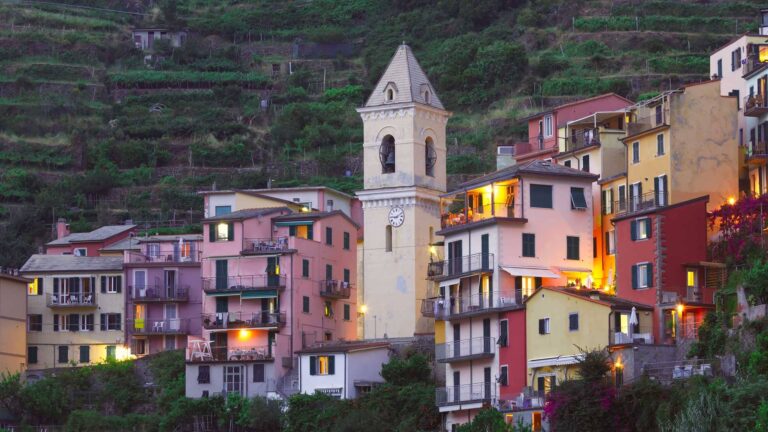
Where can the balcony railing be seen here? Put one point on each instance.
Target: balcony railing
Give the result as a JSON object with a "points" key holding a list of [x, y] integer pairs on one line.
{"points": [[476, 214], [239, 320], [434, 308], [265, 245], [468, 349], [756, 105], [757, 149], [203, 351], [164, 256], [477, 392], [158, 326], [646, 201], [459, 307], [159, 293], [480, 262], [64, 300], [244, 283], [582, 138], [641, 333], [334, 289], [752, 64]]}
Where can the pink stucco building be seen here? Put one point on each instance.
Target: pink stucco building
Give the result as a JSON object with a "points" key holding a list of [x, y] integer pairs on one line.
{"points": [[274, 281], [546, 129], [163, 292]]}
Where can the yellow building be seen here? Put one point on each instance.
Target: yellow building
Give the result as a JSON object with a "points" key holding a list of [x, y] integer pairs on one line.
{"points": [[75, 310], [613, 199], [682, 145], [561, 322], [13, 320]]}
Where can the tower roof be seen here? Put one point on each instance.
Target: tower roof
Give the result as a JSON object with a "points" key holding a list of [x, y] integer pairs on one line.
{"points": [[408, 80]]}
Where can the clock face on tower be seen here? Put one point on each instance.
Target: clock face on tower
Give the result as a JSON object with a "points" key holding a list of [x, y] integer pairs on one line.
{"points": [[396, 216]]}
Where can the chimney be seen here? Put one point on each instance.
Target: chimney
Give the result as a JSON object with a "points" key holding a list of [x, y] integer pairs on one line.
{"points": [[62, 228]]}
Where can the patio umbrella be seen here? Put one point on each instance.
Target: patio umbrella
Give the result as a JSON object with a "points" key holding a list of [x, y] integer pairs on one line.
{"points": [[632, 320]]}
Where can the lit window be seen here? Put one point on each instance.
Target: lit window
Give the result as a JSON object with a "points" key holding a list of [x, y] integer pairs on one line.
{"points": [[34, 287], [328, 309], [186, 250], [322, 365], [529, 284], [640, 229], [222, 231], [691, 278]]}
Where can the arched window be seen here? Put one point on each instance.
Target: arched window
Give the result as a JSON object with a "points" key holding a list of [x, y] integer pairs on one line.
{"points": [[426, 96], [430, 157], [387, 154], [388, 239], [390, 95]]}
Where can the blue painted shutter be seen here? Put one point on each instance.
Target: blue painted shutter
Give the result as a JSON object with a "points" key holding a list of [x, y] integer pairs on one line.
{"points": [[649, 274], [331, 365], [313, 365], [633, 230]]}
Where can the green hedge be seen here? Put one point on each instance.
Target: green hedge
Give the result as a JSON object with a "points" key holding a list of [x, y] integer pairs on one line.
{"points": [[583, 86], [662, 23], [185, 78]]}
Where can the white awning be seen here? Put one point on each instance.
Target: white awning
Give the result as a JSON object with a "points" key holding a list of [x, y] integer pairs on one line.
{"points": [[553, 361], [449, 282], [530, 272]]}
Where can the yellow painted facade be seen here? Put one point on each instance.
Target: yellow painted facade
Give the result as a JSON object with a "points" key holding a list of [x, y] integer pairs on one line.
{"points": [[13, 324], [561, 345], [612, 188], [701, 153]]}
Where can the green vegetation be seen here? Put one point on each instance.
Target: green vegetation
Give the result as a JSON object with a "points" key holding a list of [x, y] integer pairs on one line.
{"points": [[100, 125]]}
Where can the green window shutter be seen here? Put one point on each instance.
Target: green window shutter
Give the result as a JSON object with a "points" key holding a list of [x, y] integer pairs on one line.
{"points": [[541, 196], [230, 231], [537, 281], [32, 355], [332, 365], [607, 243], [305, 268], [211, 233], [633, 230], [329, 236], [634, 277], [313, 365], [647, 223], [292, 231], [346, 275], [346, 240], [305, 304], [55, 287], [102, 321], [649, 274], [85, 354], [346, 312], [40, 286], [310, 232], [222, 304], [328, 272], [56, 322], [221, 274], [119, 283]]}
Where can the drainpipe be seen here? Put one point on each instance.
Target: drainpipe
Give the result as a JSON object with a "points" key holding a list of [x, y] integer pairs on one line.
{"points": [[522, 198], [292, 312]]}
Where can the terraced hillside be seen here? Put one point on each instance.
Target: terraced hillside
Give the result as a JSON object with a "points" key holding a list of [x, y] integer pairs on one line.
{"points": [[96, 130]]}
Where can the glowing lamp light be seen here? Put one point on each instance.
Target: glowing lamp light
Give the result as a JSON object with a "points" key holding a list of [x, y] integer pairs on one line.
{"points": [[432, 250], [123, 353], [680, 309], [363, 309], [731, 200], [618, 363], [305, 209], [243, 334]]}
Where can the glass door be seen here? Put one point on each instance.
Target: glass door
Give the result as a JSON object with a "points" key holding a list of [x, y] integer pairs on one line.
{"points": [[171, 314], [170, 283]]}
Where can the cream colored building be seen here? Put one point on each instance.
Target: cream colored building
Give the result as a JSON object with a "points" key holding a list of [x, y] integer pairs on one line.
{"points": [[404, 155], [75, 310], [13, 318]]}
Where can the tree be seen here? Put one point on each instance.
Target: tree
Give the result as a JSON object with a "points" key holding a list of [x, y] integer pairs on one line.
{"points": [[414, 369]]}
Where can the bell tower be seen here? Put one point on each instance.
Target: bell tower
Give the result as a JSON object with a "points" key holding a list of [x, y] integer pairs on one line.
{"points": [[404, 154]]}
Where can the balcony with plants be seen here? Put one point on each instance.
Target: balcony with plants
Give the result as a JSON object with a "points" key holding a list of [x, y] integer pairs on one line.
{"points": [[494, 200]]}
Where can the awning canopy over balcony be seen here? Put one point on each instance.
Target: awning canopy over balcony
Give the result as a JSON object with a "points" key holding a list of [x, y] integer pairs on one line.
{"points": [[553, 361], [530, 272], [259, 294], [293, 223]]}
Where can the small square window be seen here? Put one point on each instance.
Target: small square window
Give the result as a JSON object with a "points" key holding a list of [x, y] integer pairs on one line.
{"points": [[35, 322], [544, 326], [573, 322]]}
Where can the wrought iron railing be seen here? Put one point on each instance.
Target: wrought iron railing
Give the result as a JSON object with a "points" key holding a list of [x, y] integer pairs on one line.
{"points": [[159, 293], [459, 266], [468, 348], [164, 255], [477, 392], [87, 299], [240, 283], [170, 326], [265, 245], [238, 320], [335, 289]]}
